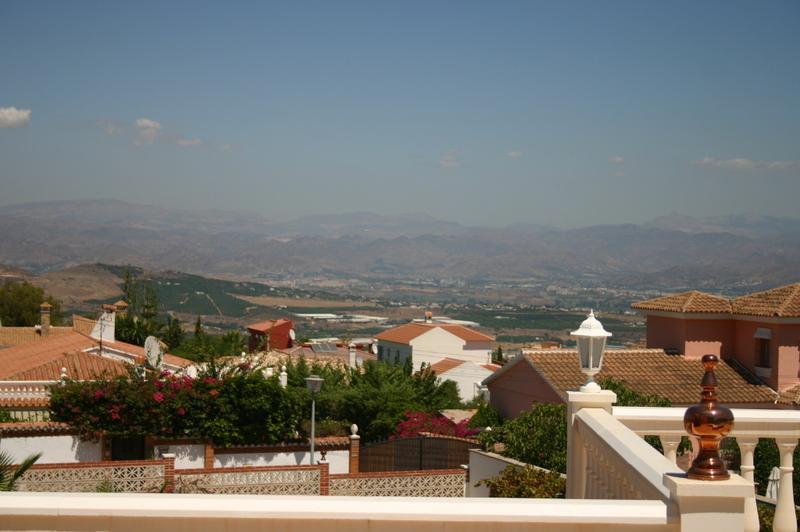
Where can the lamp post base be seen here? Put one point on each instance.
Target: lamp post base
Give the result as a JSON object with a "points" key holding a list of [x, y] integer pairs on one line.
{"points": [[590, 387]]}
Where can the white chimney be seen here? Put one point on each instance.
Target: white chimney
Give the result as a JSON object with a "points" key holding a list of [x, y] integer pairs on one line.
{"points": [[284, 377], [352, 353]]}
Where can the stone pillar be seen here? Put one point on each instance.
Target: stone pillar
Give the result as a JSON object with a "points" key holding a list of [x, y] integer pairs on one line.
{"points": [[704, 505], [169, 472], [208, 455], [324, 478], [45, 309], [576, 453], [284, 377], [747, 447], [355, 444], [785, 520]]}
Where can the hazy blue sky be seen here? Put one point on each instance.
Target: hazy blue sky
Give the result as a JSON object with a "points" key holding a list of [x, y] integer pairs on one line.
{"points": [[569, 113]]}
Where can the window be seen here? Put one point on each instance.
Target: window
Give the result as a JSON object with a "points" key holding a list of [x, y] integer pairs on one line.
{"points": [[762, 352]]}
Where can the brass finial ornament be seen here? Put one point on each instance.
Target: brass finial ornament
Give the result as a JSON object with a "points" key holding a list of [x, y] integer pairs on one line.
{"points": [[709, 421]]}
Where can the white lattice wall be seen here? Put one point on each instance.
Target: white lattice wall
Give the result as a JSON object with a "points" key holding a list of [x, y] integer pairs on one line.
{"points": [[439, 485], [276, 482], [125, 479]]}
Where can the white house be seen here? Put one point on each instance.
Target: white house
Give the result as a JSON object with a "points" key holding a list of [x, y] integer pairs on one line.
{"points": [[428, 343], [467, 375]]}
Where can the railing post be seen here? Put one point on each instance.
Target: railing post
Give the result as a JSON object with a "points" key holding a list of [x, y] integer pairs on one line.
{"points": [[324, 478], [355, 441], [746, 450], [670, 445], [169, 472], [576, 452], [785, 517], [703, 505]]}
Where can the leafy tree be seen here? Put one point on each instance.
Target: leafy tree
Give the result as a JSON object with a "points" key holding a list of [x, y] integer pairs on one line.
{"points": [[10, 474], [538, 436], [497, 355], [20, 305], [173, 335], [527, 482], [486, 416]]}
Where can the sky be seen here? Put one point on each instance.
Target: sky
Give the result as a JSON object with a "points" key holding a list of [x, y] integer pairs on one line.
{"points": [[485, 113]]}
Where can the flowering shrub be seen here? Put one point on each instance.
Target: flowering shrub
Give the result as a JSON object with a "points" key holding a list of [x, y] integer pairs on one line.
{"points": [[417, 422], [243, 407]]}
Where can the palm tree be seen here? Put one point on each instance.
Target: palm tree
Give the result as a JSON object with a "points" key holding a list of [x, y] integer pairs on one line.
{"points": [[9, 473]]}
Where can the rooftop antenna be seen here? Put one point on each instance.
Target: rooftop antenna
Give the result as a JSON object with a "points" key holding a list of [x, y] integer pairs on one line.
{"points": [[153, 352]]}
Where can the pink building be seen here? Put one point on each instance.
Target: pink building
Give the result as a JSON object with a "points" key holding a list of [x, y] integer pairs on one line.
{"points": [[760, 331]]}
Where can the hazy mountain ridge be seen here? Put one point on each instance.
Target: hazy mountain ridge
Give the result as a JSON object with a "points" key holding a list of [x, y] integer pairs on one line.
{"points": [[47, 236]]}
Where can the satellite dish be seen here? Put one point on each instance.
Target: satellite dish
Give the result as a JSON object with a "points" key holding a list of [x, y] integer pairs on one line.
{"points": [[152, 352], [292, 335], [374, 349]]}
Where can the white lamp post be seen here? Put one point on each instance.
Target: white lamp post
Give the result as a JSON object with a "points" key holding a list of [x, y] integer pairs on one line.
{"points": [[591, 339], [314, 385]]}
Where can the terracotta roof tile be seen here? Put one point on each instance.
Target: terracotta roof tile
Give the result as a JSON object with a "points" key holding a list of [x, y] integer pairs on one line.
{"points": [[20, 358], [405, 333], [80, 366], [652, 372], [692, 301], [20, 428], [46, 354], [781, 302], [445, 365], [24, 402]]}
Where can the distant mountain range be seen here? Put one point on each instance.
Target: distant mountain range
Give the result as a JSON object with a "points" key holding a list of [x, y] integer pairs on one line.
{"points": [[665, 253]]}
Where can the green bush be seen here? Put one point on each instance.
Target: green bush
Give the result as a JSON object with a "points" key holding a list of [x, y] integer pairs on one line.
{"points": [[526, 483], [537, 437]]}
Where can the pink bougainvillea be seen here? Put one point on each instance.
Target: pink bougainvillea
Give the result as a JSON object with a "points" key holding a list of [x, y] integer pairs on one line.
{"points": [[417, 422]]}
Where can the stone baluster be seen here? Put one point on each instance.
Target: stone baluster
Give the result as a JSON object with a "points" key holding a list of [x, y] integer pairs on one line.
{"points": [[670, 444], [746, 449], [785, 519]]}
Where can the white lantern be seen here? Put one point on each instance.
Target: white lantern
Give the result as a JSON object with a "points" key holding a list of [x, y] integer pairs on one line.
{"points": [[591, 339]]}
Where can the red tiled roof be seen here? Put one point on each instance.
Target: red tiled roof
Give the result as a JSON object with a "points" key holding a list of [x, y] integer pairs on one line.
{"points": [[34, 360], [80, 366], [692, 301], [781, 302], [24, 402], [264, 326], [646, 371], [445, 365], [39, 428], [20, 358], [405, 333]]}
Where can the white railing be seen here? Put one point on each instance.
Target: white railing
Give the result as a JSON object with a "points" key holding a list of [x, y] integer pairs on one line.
{"points": [[749, 425], [608, 460], [26, 389], [94, 511]]}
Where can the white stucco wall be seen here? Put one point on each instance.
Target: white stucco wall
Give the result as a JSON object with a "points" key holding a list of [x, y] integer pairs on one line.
{"points": [[393, 352], [483, 465], [339, 460], [437, 344], [465, 376], [54, 449], [187, 456]]}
